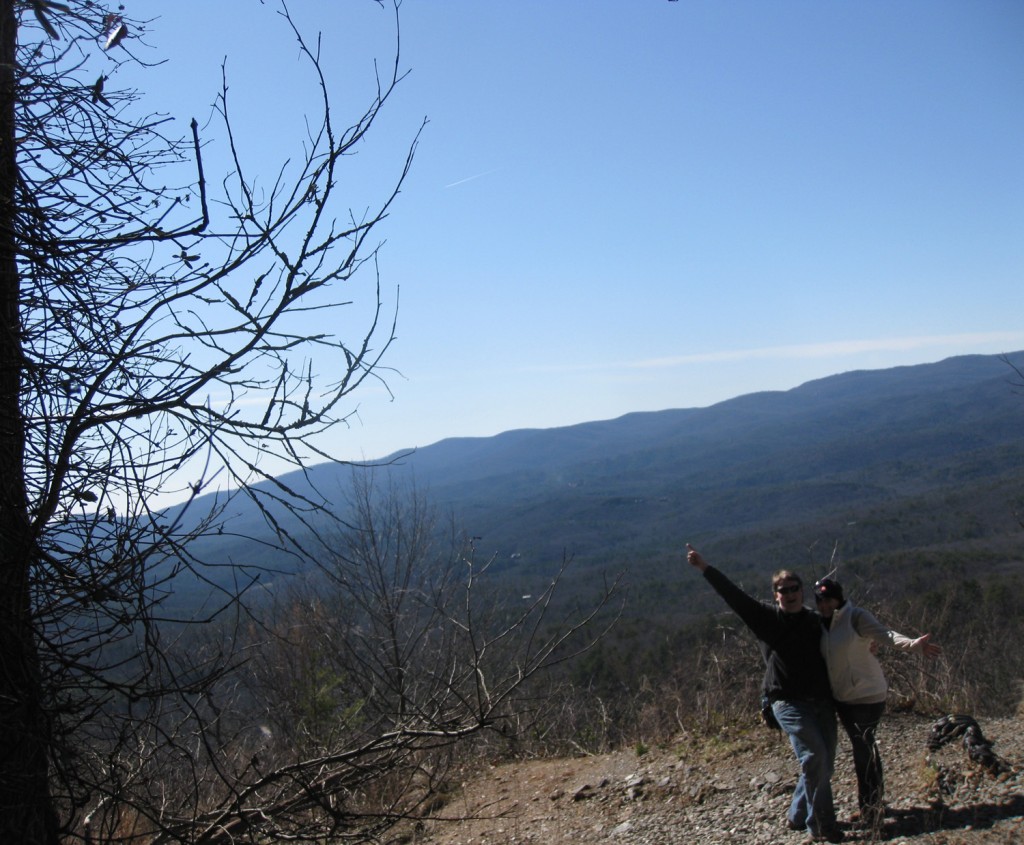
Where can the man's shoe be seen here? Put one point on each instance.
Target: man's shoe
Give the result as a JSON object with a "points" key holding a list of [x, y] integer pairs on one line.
{"points": [[792, 825], [828, 834]]}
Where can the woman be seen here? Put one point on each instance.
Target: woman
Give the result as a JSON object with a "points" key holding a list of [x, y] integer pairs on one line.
{"points": [[796, 683], [858, 684]]}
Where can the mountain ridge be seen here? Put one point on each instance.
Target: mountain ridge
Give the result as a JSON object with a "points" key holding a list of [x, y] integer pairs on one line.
{"points": [[765, 473]]}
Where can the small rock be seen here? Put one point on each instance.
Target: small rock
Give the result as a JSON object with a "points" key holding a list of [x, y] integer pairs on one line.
{"points": [[583, 792]]}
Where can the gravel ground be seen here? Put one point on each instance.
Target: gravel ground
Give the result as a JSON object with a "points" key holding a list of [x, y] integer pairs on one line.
{"points": [[735, 788]]}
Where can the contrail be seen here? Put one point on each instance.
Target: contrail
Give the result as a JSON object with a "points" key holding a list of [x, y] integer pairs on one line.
{"points": [[471, 178]]}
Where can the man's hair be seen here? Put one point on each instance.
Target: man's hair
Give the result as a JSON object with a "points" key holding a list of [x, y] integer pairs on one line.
{"points": [[781, 575]]}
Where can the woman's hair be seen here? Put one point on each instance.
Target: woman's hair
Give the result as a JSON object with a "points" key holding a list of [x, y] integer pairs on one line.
{"points": [[781, 575]]}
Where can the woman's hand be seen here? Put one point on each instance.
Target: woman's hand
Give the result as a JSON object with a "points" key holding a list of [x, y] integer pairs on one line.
{"points": [[928, 649]]}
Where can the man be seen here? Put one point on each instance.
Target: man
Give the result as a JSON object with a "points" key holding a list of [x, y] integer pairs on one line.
{"points": [[796, 684]]}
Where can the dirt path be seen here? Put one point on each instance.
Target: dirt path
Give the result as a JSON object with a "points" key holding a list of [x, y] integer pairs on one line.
{"points": [[735, 789]]}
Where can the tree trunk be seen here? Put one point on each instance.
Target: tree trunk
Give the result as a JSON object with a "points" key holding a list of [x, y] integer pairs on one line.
{"points": [[27, 814]]}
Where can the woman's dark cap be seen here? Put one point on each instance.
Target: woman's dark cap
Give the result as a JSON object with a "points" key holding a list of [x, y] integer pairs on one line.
{"points": [[826, 588]]}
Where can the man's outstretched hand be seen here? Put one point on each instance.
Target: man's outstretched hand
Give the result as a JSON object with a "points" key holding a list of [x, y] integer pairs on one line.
{"points": [[693, 557]]}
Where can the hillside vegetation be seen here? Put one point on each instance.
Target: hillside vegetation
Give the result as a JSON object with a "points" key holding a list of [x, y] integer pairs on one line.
{"points": [[907, 481]]}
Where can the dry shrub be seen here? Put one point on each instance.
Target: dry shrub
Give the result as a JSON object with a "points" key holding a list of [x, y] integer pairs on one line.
{"points": [[981, 630]]}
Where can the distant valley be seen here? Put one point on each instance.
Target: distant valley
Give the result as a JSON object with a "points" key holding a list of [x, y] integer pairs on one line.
{"points": [[915, 471]]}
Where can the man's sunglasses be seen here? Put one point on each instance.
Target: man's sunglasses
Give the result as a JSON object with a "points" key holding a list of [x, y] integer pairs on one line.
{"points": [[785, 591]]}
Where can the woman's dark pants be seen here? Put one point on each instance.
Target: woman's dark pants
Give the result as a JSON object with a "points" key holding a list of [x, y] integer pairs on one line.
{"points": [[860, 721]]}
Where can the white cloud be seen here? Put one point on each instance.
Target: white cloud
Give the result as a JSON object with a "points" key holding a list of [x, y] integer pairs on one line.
{"points": [[838, 349]]}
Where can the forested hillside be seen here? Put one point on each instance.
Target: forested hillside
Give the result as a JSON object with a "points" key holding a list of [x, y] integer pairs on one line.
{"points": [[914, 472]]}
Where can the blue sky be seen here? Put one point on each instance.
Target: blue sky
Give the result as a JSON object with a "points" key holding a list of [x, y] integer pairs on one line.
{"points": [[637, 205]]}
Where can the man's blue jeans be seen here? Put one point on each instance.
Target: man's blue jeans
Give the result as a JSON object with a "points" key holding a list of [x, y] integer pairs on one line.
{"points": [[811, 726]]}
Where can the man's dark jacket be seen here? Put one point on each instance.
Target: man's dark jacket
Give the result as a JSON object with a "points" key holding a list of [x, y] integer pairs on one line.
{"points": [[790, 643]]}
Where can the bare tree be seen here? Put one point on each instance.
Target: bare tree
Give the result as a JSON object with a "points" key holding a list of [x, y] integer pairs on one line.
{"points": [[153, 331], [364, 680], [399, 650]]}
